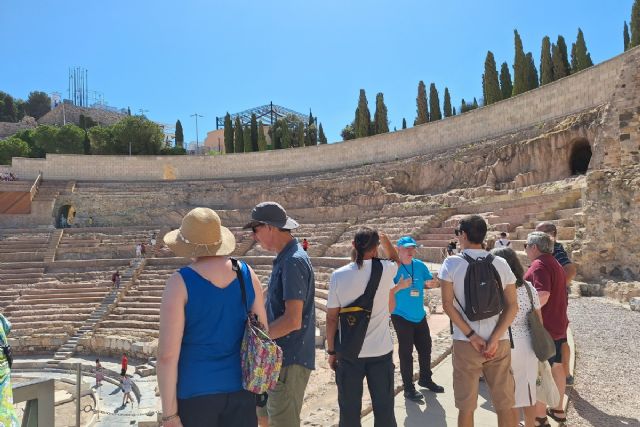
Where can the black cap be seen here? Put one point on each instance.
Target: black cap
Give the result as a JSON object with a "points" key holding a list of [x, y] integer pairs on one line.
{"points": [[271, 213]]}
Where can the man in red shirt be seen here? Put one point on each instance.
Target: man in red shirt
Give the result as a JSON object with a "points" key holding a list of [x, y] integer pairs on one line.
{"points": [[548, 277], [125, 361]]}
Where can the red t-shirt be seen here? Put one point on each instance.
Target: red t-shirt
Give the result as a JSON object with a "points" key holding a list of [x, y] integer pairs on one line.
{"points": [[124, 362], [547, 274]]}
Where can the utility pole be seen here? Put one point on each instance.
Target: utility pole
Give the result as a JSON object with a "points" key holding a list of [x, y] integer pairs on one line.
{"points": [[196, 115], [142, 111]]}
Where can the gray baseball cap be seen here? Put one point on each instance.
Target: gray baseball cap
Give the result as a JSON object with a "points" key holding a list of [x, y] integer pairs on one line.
{"points": [[271, 213]]}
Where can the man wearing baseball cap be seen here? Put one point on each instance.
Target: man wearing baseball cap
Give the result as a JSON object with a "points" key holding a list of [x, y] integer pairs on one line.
{"points": [[290, 311], [409, 319]]}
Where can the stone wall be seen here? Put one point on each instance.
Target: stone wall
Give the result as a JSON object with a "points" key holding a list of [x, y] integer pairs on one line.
{"points": [[7, 129], [582, 91]]}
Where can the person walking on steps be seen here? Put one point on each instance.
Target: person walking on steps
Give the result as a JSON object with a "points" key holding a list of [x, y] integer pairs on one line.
{"points": [[410, 320]]}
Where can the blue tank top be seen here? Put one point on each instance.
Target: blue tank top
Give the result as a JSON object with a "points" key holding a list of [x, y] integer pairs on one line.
{"points": [[214, 325]]}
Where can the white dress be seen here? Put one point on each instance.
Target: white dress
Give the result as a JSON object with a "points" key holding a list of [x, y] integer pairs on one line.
{"points": [[524, 362]]}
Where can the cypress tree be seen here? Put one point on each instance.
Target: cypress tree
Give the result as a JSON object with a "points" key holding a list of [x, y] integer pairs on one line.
{"points": [[574, 59], [546, 63], [520, 67], [475, 103], [321, 136], [285, 134], [564, 57], [254, 133], [532, 72], [582, 56], [559, 70], [454, 111], [300, 142], [179, 135], [447, 103], [635, 25], [311, 137], [404, 123], [625, 36], [276, 140], [380, 122], [248, 146], [262, 139], [228, 134], [363, 116], [505, 81], [491, 86], [421, 101], [238, 143], [434, 103], [463, 107]]}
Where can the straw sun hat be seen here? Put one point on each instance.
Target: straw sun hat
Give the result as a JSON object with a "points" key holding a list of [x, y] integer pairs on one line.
{"points": [[200, 234]]}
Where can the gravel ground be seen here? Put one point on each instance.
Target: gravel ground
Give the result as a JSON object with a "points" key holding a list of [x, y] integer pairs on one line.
{"points": [[607, 369]]}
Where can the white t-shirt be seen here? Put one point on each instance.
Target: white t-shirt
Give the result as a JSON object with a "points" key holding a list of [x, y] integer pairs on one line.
{"points": [[453, 270], [520, 325], [503, 243], [348, 283]]}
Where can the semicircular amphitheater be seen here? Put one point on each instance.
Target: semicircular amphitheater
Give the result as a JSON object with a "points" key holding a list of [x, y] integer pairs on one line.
{"points": [[567, 153]]}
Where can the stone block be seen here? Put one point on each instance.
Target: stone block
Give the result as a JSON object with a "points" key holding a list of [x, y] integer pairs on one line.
{"points": [[634, 303]]}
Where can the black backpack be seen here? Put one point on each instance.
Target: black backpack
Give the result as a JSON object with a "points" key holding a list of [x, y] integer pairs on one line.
{"points": [[483, 293]]}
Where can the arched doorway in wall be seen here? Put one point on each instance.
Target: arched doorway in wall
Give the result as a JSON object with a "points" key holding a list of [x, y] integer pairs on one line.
{"points": [[580, 156], [66, 216]]}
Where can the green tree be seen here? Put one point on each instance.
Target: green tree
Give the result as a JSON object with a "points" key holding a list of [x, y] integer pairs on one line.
{"points": [[564, 58], [311, 137], [559, 69], [574, 59], [363, 117], [262, 139], [238, 140], [404, 123], [520, 67], [380, 121], [421, 103], [635, 24], [532, 72], [286, 136], [447, 103], [228, 134], [348, 132], [321, 136], [434, 103], [45, 138], [625, 36], [101, 138], [128, 111], [582, 56], [8, 111], [274, 132], [505, 81], [12, 147], [145, 136], [546, 62], [490, 79], [179, 135], [454, 111], [86, 123], [69, 140], [475, 102], [38, 104], [299, 140], [20, 113], [254, 132], [246, 136]]}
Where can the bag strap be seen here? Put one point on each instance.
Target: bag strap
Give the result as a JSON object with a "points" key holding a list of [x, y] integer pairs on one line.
{"points": [[236, 266], [526, 286], [365, 301]]}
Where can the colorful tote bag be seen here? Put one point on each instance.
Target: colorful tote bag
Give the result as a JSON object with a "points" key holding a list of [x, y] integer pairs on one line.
{"points": [[261, 357]]}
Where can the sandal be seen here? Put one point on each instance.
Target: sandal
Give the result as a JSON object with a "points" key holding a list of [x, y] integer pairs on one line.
{"points": [[552, 412], [542, 422]]}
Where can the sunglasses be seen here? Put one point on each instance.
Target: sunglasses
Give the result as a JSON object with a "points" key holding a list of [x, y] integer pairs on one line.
{"points": [[458, 231], [254, 228], [527, 245]]}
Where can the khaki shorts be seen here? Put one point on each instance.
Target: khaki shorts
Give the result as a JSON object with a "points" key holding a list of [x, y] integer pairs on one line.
{"points": [[468, 364], [285, 400]]}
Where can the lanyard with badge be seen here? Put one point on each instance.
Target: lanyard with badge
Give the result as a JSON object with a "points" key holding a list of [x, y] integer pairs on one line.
{"points": [[413, 292]]}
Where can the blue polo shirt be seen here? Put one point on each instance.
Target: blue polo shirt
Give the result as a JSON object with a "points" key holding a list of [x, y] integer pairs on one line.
{"points": [[292, 278], [407, 306]]}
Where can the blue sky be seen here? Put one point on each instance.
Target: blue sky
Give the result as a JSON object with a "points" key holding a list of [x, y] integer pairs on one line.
{"points": [[175, 58]]}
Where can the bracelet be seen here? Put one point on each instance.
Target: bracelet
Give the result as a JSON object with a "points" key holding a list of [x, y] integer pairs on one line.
{"points": [[331, 352], [170, 417], [470, 334]]}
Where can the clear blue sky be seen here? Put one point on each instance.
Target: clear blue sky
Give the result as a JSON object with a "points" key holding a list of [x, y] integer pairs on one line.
{"points": [[175, 58]]}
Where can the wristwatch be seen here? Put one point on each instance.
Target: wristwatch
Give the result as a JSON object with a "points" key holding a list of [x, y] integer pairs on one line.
{"points": [[470, 334]]}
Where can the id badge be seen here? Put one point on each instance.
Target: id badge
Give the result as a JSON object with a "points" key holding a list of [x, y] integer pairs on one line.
{"points": [[415, 293]]}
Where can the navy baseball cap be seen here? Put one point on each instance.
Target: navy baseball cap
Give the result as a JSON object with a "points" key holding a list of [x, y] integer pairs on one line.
{"points": [[271, 213]]}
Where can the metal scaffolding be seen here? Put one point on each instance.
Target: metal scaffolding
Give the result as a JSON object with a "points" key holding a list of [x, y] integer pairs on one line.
{"points": [[268, 114]]}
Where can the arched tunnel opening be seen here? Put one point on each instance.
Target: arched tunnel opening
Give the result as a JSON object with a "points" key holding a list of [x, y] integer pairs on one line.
{"points": [[580, 157]]}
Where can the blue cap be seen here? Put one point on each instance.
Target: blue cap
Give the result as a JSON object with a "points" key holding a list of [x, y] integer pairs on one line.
{"points": [[407, 242]]}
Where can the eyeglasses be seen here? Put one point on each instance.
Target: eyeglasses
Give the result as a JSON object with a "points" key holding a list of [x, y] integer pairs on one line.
{"points": [[528, 245], [254, 228]]}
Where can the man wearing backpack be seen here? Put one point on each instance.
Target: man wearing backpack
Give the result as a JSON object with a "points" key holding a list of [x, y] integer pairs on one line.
{"points": [[479, 296]]}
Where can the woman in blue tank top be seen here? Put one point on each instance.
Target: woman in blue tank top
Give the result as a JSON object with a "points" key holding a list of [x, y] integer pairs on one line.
{"points": [[202, 321]]}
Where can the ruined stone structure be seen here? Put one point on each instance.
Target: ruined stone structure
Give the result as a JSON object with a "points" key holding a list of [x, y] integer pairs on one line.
{"points": [[567, 152]]}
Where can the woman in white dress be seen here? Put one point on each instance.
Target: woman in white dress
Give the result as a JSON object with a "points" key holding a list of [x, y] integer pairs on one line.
{"points": [[524, 362]]}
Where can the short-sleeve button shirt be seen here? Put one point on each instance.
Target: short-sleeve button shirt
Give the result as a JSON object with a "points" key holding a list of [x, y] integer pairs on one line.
{"points": [[292, 278]]}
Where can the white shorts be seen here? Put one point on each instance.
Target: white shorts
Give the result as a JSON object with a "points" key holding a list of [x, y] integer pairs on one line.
{"points": [[524, 365]]}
